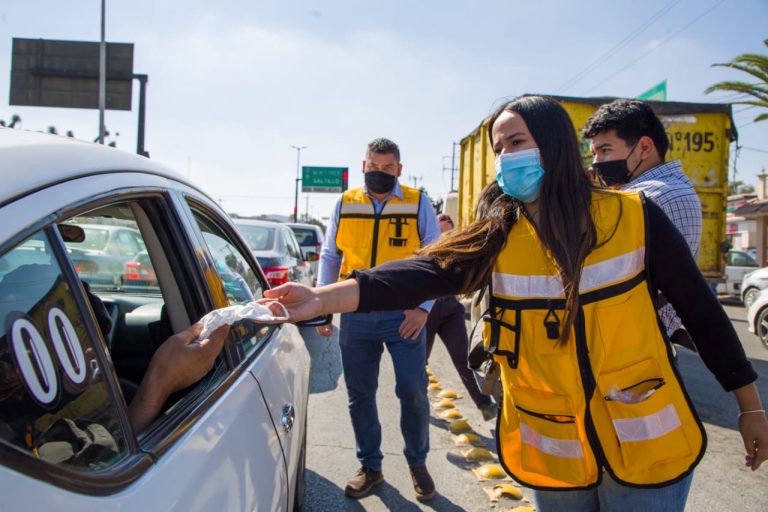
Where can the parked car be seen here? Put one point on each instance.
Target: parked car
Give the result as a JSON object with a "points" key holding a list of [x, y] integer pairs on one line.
{"points": [[233, 441], [757, 317], [751, 285], [737, 265], [277, 250], [310, 238], [138, 272], [103, 252]]}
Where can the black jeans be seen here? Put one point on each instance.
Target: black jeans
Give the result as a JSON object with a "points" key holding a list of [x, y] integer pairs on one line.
{"points": [[447, 320]]}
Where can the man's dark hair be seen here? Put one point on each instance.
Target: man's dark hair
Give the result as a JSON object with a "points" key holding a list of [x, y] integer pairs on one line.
{"points": [[384, 146], [631, 119]]}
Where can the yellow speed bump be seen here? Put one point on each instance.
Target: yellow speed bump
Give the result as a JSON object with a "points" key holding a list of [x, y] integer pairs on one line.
{"points": [[478, 455], [434, 387], [447, 393], [499, 491], [429, 372], [432, 379], [451, 414], [467, 439], [459, 426], [523, 508], [489, 472], [445, 404]]}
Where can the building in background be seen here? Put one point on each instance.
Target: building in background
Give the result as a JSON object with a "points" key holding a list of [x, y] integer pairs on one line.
{"points": [[754, 211]]}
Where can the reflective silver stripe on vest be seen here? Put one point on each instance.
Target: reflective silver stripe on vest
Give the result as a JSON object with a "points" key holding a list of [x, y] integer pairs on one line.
{"points": [[389, 209], [400, 209], [567, 448], [648, 427], [597, 275], [356, 208]]}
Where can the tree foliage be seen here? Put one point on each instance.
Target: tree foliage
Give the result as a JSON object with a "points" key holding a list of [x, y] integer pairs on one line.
{"points": [[739, 187], [755, 65]]}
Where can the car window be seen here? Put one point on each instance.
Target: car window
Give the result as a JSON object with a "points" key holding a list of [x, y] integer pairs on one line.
{"points": [[305, 236], [54, 402], [258, 238], [291, 245], [742, 259], [240, 280], [107, 256]]}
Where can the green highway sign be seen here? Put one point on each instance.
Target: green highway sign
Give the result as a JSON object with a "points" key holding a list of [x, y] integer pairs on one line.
{"points": [[324, 179]]}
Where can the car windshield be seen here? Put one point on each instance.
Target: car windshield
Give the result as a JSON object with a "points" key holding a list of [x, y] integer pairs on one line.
{"points": [[305, 236], [258, 238]]}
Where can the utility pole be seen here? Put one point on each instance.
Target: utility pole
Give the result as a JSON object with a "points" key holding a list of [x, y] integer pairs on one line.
{"points": [[453, 165], [102, 74], [298, 179], [415, 179], [452, 168]]}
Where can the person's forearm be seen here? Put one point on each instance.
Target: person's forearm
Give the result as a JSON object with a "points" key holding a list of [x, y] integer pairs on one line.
{"points": [[341, 297], [147, 403], [748, 398]]}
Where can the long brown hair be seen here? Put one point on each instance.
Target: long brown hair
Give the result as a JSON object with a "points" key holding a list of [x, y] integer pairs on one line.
{"points": [[474, 248], [565, 226]]}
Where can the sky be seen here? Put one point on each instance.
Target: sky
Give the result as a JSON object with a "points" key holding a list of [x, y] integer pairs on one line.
{"points": [[234, 84]]}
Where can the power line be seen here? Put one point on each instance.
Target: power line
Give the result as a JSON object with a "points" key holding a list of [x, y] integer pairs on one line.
{"points": [[656, 47], [745, 124], [621, 44], [732, 97], [755, 149]]}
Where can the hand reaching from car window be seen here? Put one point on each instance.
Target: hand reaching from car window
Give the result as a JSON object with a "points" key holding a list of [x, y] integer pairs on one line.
{"points": [[180, 361]]}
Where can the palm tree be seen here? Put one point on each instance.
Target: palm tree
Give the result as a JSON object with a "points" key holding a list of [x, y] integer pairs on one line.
{"points": [[757, 66]]}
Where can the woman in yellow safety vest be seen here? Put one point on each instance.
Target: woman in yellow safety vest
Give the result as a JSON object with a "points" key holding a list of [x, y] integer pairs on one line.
{"points": [[594, 413]]}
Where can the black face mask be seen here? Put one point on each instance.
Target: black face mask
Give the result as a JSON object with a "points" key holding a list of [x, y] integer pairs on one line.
{"points": [[615, 172], [612, 173], [379, 182]]}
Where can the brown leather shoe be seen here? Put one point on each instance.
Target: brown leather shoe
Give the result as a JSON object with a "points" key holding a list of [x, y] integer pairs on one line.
{"points": [[362, 483], [422, 483]]}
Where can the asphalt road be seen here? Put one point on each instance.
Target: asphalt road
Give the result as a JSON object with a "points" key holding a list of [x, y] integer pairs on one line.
{"points": [[721, 481]]}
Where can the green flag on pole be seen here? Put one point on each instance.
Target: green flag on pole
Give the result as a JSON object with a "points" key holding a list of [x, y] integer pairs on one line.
{"points": [[656, 93]]}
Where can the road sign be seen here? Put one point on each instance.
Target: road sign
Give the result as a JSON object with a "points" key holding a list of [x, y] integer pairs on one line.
{"points": [[49, 73], [324, 179]]}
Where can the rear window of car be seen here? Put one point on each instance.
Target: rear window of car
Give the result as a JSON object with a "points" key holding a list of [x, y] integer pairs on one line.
{"points": [[258, 238], [305, 236]]}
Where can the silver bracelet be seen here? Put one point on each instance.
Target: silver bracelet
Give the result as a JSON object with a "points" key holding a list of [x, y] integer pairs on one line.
{"points": [[748, 412]]}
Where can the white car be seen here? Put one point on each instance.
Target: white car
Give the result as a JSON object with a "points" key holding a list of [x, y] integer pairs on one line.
{"points": [[751, 285], [233, 441], [737, 265], [757, 317], [311, 238]]}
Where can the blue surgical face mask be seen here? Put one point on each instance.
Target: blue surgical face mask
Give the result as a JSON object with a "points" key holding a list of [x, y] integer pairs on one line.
{"points": [[519, 174]]}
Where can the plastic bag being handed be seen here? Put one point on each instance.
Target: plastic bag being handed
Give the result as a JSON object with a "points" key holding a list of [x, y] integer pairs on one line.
{"points": [[227, 316]]}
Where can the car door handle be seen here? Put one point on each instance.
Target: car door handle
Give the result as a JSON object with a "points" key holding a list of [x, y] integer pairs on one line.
{"points": [[289, 414]]}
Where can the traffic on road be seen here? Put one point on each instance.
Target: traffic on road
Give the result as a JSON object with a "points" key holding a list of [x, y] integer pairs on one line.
{"points": [[107, 262]]}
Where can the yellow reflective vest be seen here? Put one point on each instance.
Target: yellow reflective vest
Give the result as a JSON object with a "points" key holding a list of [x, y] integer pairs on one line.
{"points": [[610, 398], [367, 239]]}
